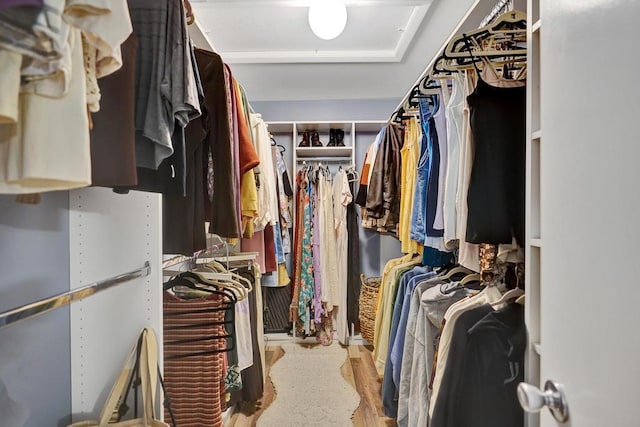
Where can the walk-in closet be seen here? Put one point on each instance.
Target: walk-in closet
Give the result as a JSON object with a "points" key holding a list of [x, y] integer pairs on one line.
{"points": [[230, 213]]}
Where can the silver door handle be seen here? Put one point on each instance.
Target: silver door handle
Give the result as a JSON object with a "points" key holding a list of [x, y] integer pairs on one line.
{"points": [[553, 397]]}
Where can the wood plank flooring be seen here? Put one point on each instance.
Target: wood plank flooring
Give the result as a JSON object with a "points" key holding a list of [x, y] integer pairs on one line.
{"points": [[249, 414], [359, 370]]}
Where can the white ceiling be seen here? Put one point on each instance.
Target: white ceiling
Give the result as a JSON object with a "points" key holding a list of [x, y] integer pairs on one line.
{"points": [[273, 53]]}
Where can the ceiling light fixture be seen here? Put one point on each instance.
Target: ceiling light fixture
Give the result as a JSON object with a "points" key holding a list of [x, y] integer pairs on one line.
{"points": [[328, 18]]}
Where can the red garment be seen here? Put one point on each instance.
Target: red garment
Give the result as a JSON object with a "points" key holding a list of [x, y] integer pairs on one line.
{"points": [[248, 155], [270, 261], [256, 244]]}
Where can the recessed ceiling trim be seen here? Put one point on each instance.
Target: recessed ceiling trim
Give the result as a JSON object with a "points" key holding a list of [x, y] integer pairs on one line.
{"points": [[283, 57], [413, 24], [306, 3], [330, 56]]}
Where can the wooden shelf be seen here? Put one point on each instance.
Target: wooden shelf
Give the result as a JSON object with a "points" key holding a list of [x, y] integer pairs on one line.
{"points": [[536, 26], [535, 242], [323, 127], [308, 152], [280, 127]]}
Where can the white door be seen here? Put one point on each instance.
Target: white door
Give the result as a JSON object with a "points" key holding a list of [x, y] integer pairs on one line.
{"points": [[584, 227]]}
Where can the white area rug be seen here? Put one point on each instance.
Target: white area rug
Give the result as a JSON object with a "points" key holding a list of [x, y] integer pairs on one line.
{"points": [[310, 389]]}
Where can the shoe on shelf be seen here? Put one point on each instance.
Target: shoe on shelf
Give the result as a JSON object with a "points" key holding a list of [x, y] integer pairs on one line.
{"points": [[339, 138], [315, 139], [332, 138], [305, 140]]}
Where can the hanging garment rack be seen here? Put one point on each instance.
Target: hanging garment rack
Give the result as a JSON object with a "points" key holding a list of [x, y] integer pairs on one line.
{"points": [[48, 304], [179, 259], [399, 113], [319, 160], [501, 7]]}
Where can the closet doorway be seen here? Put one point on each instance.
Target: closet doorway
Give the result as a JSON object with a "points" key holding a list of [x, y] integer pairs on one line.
{"points": [[583, 211]]}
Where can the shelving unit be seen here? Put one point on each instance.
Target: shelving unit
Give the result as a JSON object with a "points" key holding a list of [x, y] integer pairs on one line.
{"points": [[290, 134], [324, 152]]}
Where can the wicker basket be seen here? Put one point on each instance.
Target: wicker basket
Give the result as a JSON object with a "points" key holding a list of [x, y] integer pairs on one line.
{"points": [[368, 304]]}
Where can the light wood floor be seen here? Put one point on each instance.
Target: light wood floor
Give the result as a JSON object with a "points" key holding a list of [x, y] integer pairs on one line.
{"points": [[359, 370]]}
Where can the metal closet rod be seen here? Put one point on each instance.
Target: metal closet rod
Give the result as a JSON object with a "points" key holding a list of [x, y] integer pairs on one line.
{"points": [[48, 304]]}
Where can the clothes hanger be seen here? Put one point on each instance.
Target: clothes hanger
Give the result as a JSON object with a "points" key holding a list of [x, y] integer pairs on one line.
{"points": [[228, 282], [196, 282], [470, 278], [456, 270], [510, 295], [234, 283], [512, 23]]}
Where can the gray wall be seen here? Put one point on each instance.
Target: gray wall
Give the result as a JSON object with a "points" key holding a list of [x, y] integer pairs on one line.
{"points": [[35, 371], [337, 110], [375, 250]]}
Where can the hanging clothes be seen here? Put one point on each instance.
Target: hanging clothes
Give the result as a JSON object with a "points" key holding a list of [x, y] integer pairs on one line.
{"points": [[455, 117], [481, 389], [386, 298], [341, 199], [320, 243], [194, 343], [496, 188], [383, 196], [353, 266], [113, 156], [410, 154], [468, 252], [52, 155], [253, 375], [222, 215]]}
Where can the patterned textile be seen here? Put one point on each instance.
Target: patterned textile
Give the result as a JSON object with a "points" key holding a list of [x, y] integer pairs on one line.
{"points": [[194, 381], [306, 278], [488, 262], [283, 200], [297, 251]]}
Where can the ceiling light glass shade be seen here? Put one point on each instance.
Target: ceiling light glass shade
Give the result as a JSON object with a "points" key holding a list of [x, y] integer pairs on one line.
{"points": [[328, 18]]}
